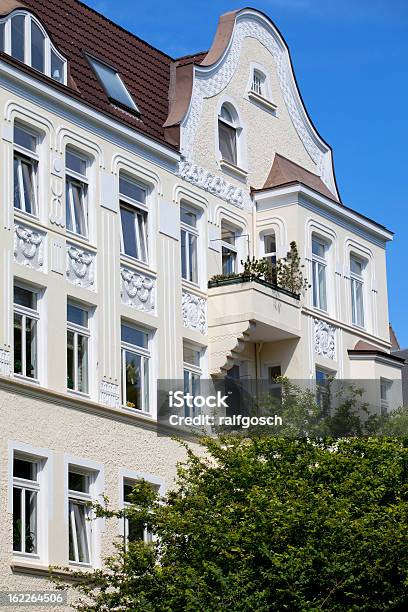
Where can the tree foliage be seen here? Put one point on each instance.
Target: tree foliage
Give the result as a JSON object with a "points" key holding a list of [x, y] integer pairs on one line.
{"points": [[267, 524], [289, 271]]}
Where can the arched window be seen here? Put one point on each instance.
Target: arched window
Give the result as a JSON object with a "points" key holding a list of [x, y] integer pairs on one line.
{"points": [[227, 134], [24, 38]]}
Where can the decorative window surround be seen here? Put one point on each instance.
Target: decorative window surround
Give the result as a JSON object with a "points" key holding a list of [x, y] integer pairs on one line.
{"points": [[138, 290], [324, 339], [237, 196], [109, 394], [80, 267], [194, 311], [29, 246]]}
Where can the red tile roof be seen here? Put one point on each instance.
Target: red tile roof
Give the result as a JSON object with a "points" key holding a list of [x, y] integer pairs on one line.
{"points": [[285, 171], [76, 29]]}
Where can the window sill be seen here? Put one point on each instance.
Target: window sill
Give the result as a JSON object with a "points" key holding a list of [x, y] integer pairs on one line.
{"points": [[233, 170], [25, 216], [80, 394], [137, 264], [136, 411], [27, 379], [261, 101], [189, 286], [85, 242]]}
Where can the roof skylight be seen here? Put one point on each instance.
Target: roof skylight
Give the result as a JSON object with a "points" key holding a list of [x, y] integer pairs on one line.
{"points": [[112, 84]]}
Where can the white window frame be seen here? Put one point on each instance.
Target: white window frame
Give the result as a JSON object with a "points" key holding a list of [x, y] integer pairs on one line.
{"points": [[138, 208], [231, 247], [131, 476], [357, 279], [44, 460], [317, 263], [82, 331], [191, 370], [195, 232], [146, 360], [385, 403], [258, 82], [25, 313], [32, 157], [70, 177], [48, 46], [82, 499], [234, 125], [97, 484]]}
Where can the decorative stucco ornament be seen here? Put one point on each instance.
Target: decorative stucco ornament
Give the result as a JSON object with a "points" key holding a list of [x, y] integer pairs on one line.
{"points": [[325, 339], [138, 290], [5, 362], [28, 247], [109, 394], [80, 267], [194, 309]]}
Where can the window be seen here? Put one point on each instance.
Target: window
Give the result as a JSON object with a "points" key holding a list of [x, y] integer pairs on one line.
{"points": [[319, 266], [135, 368], [133, 217], [269, 249], [229, 249], [77, 348], [22, 37], [133, 531], [112, 84], [258, 83], [189, 241], [26, 319], [80, 517], [385, 392], [76, 193], [274, 387], [227, 135], [25, 170], [357, 290], [26, 489], [323, 389], [191, 372]]}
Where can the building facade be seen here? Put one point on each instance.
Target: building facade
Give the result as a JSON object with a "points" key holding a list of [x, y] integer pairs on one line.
{"points": [[130, 180]]}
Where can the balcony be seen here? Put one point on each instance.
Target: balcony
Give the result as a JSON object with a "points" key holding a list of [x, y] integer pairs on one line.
{"points": [[240, 310]]}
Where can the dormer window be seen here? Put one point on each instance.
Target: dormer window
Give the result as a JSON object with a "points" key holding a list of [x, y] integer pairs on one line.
{"points": [[113, 85], [24, 38]]}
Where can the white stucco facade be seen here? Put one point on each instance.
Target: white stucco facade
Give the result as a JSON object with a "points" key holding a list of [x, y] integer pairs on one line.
{"points": [[245, 324]]}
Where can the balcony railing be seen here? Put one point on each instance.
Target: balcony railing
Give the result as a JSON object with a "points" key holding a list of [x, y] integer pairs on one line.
{"points": [[241, 278]]}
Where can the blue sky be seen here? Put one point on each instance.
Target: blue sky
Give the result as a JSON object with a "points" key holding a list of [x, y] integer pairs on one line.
{"points": [[350, 59]]}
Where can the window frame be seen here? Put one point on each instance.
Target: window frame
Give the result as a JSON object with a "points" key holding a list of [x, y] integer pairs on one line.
{"points": [[82, 499], [49, 47], [79, 330], [357, 279], [33, 486], [31, 157], [132, 106], [34, 314], [137, 208], [233, 128], [133, 477], [192, 373], [259, 89], [146, 360], [228, 246], [194, 232], [385, 402], [82, 180], [318, 263]]}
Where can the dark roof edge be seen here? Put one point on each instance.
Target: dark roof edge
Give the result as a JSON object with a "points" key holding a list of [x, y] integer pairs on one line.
{"points": [[339, 204], [378, 353]]}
